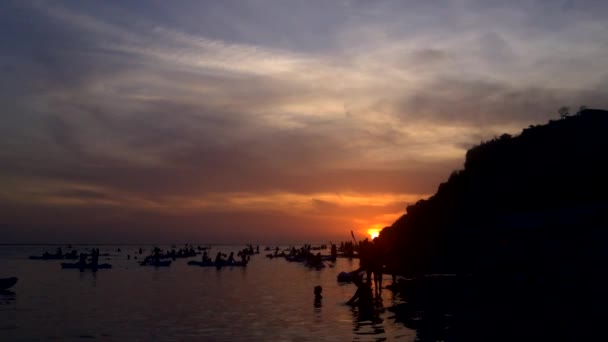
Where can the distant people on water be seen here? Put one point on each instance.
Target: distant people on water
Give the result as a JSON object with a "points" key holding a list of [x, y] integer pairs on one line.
{"points": [[206, 257], [156, 255], [83, 260], [218, 258], [95, 257]]}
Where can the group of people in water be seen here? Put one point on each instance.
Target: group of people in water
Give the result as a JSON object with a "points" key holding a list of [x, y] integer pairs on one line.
{"points": [[243, 254]]}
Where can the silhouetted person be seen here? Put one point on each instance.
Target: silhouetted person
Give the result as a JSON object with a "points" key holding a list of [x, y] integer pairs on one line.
{"points": [[83, 260], [218, 258], [95, 258], [230, 258], [363, 298], [156, 255], [317, 260], [376, 263], [334, 251], [318, 290], [141, 251], [59, 252], [206, 257]]}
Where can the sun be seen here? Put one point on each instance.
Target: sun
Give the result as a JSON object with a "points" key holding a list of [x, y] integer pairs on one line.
{"points": [[373, 233]]}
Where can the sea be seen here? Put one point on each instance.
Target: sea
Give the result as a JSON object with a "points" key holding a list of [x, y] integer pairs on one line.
{"points": [[268, 300]]}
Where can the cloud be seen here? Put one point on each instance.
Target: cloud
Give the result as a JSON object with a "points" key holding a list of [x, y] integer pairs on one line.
{"points": [[264, 110]]}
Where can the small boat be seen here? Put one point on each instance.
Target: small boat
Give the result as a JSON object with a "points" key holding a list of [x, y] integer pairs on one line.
{"points": [[46, 257], [164, 263], [85, 266], [213, 264], [6, 283]]}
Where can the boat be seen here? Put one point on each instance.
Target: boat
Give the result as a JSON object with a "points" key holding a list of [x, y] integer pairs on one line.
{"points": [[213, 264], [85, 266], [47, 256], [164, 263], [6, 283]]}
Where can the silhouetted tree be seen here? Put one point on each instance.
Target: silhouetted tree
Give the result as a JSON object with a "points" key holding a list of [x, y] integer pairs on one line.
{"points": [[581, 109], [563, 112]]}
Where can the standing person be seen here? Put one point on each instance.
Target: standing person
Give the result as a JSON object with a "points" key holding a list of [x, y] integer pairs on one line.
{"points": [[377, 263], [83, 260], [156, 255], [95, 258]]}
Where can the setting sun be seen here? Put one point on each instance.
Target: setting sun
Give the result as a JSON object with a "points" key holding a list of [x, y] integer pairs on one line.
{"points": [[373, 233]]}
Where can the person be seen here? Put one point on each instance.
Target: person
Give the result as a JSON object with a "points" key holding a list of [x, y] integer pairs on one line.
{"points": [[83, 260], [231, 258], [218, 258], [376, 264], [363, 297], [206, 257], [156, 255], [59, 252], [95, 258], [317, 261], [317, 291], [334, 251]]}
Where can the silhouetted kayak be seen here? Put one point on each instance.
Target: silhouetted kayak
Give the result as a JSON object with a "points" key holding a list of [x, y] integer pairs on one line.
{"points": [[86, 266], [213, 264], [6, 283], [157, 264], [52, 257]]}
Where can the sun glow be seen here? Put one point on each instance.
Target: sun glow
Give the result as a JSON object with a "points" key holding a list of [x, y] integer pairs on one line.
{"points": [[373, 233]]}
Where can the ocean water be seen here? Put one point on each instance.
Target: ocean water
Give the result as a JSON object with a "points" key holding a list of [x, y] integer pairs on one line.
{"points": [[269, 300]]}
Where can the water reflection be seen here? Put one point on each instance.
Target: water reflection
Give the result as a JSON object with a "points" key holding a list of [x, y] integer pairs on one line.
{"points": [[7, 296], [367, 322]]}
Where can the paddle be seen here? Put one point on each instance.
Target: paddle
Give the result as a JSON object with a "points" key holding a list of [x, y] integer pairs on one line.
{"points": [[326, 263], [353, 235]]}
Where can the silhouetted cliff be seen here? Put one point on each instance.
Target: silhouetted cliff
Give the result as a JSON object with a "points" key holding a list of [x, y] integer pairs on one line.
{"points": [[529, 203]]}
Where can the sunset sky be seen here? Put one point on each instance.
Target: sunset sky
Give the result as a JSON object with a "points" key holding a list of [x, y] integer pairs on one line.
{"points": [[267, 121]]}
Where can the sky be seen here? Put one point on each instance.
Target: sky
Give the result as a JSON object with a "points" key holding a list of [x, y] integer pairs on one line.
{"points": [[267, 121]]}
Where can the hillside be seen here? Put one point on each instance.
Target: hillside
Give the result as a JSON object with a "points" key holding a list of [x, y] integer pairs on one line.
{"points": [[536, 201]]}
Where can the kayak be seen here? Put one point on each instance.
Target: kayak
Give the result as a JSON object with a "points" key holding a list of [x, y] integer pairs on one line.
{"points": [[213, 264], [6, 283], [157, 264], [86, 266], [53, 257]]}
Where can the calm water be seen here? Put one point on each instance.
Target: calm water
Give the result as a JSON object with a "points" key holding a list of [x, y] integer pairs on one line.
{"points": [[269, 300]]}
